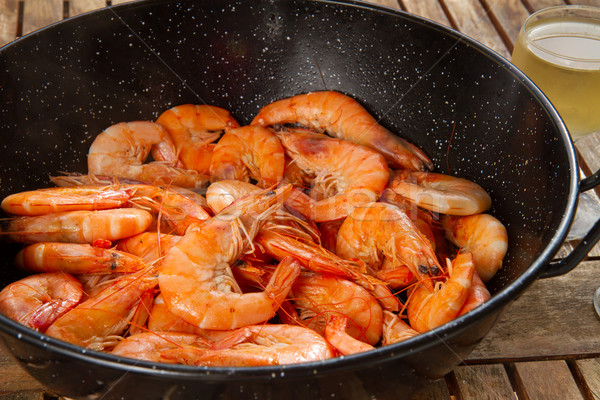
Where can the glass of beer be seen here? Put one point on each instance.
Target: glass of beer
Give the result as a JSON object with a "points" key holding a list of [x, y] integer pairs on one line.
{"points": [[558, 48]]}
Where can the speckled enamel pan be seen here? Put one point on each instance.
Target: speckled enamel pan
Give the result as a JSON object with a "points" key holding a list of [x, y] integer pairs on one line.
{"points": [[62, 85]]}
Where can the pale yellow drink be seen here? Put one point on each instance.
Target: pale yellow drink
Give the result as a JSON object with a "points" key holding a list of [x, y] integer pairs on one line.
{"points": [[560, 53]]}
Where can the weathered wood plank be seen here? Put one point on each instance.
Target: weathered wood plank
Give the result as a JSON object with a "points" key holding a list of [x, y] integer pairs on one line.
{"points": [[387, 3], [39, 13], [430, 9], [77, 7], [435, 391], [589, 369], [544, 380], [470, 18], [588, 148], [484, 382], [508, 17], [8, 20], [14, 379], [595, 3], [554, 317], [535, 5]]}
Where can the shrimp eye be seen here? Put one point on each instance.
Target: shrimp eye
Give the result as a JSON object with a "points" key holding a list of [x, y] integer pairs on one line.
{"points": [[434, 270], [424, 269], [271, 193]]}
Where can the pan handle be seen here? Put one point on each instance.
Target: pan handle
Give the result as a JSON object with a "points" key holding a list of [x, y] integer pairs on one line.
{"points": [[561, 267]]}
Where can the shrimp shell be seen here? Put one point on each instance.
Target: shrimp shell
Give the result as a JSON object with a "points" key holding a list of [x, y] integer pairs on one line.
{"points": [[77, 226]]}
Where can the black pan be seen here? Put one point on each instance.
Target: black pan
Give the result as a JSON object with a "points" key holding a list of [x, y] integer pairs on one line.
{"points": [[62, 85]]}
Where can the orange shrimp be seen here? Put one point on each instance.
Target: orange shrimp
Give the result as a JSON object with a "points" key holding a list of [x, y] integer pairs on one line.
{"points": [[395, 330], [481, 235], [51, 200], [320, 296], [345, 175], [98, 322], [193, 129], [121, 150], [77, 226], [382, 236], [221, 194], [75, 258], [141, 313], [256, 345], [427, 310], [196, 280], [163, 320], [150, 246], [343, 117], [336, 335], [423, 219], [248, 152], [329, 231], [441, 193], [478, 294], [38, 300], [149, 346]]}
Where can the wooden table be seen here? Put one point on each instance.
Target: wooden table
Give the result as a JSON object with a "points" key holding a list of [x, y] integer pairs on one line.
{"points": [[547, 343]]}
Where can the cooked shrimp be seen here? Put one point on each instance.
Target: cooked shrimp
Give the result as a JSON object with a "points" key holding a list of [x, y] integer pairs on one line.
{"points": [[38, 300], [77, 226], [423, 219], [141, 313], [196, 280], [343, 117], [163, 320], [481, 235], [150, 246], [221, 194], [248, 152], [193, 129], [345, 175], [428, 310], [329, 231], [98, 322], [320, 296], [395, 330], [75, 258], [121, 150], [87, 180], [441, 193], [335, 332], [256, 345], [478, 294], [149, 346], [382, 236], [51, 200]]}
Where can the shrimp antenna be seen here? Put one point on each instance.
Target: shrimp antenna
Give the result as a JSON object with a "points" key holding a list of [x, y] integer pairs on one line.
{"points": [[320, 73]]}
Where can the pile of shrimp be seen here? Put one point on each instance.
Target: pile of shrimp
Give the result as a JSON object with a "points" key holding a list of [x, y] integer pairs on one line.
{"points": [[311, 233]]}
